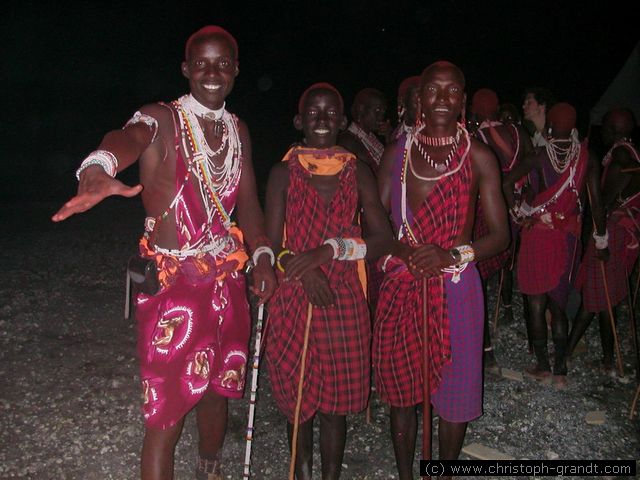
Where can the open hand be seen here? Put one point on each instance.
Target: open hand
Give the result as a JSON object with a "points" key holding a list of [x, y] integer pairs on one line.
{"points": [[95, 185]]}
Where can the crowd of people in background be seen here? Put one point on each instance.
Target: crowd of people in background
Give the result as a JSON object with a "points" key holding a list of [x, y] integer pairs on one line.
{"points": [[378, 239]]}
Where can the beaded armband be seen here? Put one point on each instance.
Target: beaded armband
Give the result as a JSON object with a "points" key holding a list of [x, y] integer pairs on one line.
{"points": [[602, 241], [462, 254], [148, 120], [347, 248], [104, 159]]}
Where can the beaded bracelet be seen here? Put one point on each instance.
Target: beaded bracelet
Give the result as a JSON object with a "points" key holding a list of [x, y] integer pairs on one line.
{"points": [[334, 244], [279, 258], [462, 254], [347, 248], [602, 241], [104, 159], [261, 250]]}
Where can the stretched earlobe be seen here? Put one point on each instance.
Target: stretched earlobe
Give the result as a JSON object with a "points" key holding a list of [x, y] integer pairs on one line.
{"points": [[185, 69], [297, 122]]}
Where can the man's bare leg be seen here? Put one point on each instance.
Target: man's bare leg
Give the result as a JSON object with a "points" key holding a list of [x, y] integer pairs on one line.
{"points": [[581, 322], [560, 334], [158, 449], [606, 338], [333, 436], [450, 439], [304, 449], [211, 416], [538, 329], [507, 294], [404, 428]]}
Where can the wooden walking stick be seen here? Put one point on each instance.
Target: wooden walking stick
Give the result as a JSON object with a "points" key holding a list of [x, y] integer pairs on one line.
{"points": [[616, 343], [634, 331], [608, 297], [296, 416], [426, 376], [254, 389]]}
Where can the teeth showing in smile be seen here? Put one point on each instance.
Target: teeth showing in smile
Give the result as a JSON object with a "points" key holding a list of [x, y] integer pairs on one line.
{"points": [[440, 109], [212, 88], [321, 131]]}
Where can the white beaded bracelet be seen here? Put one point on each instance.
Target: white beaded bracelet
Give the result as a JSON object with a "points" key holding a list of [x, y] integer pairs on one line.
{"points": [[334, 244], [602, 241], [261, 250], [104, 159]]}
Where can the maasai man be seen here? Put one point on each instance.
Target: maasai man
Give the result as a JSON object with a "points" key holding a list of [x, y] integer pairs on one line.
{"points": [[408, 106], [313, 200], [368, 113], [550, 236], [510, 144], [195, 167], [621, 196], [430, 184]]}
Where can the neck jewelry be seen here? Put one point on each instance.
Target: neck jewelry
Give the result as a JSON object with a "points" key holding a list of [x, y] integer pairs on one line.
{"points": [[371, 143], [562, 152], [419, 139]]}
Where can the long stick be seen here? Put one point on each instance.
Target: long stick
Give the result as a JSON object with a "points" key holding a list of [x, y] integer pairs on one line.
{"points": [[498, 301], [606, 292], [635, 292], [634, 332], [254, 389], [426, 377], [613, 324], [296, 417]]}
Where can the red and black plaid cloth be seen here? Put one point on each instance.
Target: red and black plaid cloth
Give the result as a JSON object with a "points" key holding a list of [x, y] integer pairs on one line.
{"points": [[397, 345], [545, 252], [337, 372], [623, 253]]}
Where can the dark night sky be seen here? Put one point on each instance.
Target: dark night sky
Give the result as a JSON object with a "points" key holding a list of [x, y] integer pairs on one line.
{"points": [[77, 71]]}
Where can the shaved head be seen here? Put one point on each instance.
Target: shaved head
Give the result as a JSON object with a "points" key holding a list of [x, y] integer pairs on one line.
{"points": [[211, 31], [319, 86], [441, 65]]}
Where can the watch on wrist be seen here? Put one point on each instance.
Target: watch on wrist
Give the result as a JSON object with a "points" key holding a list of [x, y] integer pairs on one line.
{"points": [[456, 255]]}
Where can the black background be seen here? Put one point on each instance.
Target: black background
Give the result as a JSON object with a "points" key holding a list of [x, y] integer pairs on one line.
{"points": [[73, 71]]}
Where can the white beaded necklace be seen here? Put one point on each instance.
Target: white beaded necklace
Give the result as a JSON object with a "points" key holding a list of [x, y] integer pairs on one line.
{"points": [[562, 156], [224, 176]]}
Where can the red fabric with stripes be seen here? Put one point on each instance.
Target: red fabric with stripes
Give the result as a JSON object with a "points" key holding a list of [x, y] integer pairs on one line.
{"points": [[337, 372], [397, 347]]}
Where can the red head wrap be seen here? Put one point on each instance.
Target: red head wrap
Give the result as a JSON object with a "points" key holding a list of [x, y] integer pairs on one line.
{"points": [[562, 117], [485, 103]]}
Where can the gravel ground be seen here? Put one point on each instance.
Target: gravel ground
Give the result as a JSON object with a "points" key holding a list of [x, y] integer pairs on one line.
{"points": [[69, 396]]}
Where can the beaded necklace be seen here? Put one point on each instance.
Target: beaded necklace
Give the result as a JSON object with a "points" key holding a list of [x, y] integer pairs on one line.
{"points": [[627, 142], [438, 167], [562, 156], [373, 146], [212, 178], [462, 153]]}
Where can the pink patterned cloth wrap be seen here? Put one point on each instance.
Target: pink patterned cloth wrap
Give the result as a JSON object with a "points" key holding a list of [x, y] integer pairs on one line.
{"points": [[193, 335]]}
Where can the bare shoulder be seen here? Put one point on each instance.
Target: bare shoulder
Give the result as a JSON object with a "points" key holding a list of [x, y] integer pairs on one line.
{"points": [[482, 157], [279, 175]]}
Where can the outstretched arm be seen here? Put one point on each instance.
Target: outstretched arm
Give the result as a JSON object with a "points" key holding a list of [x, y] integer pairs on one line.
{"points": [[126, 145], [251, 221]]}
